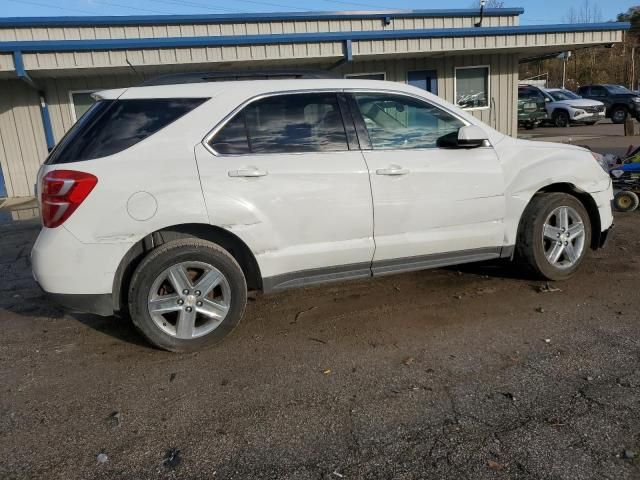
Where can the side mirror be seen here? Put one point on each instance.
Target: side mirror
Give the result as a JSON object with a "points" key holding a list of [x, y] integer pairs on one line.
{"points": [[472, 136], [547, 99]]}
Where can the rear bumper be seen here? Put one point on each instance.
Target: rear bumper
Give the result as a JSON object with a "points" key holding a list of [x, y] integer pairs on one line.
{"points": [[98, 304], [62, 264]]}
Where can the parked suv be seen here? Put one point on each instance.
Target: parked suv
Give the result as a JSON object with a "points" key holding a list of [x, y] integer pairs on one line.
{"points": [[565, 107], [531, 107], [619, 100], [167, 202]]}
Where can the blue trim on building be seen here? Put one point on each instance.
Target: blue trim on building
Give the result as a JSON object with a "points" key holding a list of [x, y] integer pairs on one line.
{"points": [[248, 17], [3, 189], [21, 73], [211, 41]]}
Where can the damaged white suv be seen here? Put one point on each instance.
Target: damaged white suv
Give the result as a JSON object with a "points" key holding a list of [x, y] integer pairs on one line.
{"points": [[167, 201]]}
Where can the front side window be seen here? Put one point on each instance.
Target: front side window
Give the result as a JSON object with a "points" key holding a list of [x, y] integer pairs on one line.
{"points": [[598, 92], [618, 89], [472, 87], [310, 122], [111, 126], [399, 122]]}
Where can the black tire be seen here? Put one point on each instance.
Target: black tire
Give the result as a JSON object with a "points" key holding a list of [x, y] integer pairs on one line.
{"points": [[530, 243], [590, 123], [625, 201], [561, 118], [619, 115], [172, 253], [530, 126]]}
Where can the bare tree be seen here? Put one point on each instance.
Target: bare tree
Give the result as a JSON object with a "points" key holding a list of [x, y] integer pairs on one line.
{"points": [[588, 12]]}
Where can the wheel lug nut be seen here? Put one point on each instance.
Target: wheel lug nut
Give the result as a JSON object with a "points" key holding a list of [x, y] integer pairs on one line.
{"points": [[198, 293], [189, 309], [185, 291], [199, 304], [180, 302]]}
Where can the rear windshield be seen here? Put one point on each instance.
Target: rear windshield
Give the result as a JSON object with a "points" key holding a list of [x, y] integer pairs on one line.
{"points": [[111, 126]]}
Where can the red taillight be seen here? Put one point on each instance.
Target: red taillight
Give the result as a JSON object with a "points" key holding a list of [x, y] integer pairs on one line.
{"points": [[62, 192]]}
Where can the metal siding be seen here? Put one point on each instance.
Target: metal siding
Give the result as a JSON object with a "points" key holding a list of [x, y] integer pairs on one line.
{"points": [[22, 137], [160, 30]]}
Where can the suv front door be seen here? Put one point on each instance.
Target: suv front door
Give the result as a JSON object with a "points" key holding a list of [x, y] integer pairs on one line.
{"points": [[285, 174], [432, 204]]}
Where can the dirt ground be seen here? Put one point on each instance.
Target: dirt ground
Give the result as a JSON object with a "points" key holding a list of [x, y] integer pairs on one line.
{"points": [[470, 373]]}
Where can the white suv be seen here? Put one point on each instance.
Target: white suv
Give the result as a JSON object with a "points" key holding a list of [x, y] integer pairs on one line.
{"points": [[168, 201]]}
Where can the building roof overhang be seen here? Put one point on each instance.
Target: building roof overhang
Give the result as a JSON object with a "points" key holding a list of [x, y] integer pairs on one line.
{"points": [[76, 21], [272, 39]]}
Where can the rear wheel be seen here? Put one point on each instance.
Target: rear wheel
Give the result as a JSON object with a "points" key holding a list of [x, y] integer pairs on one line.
{"points": [[554, 235], [187, 294], [561, 118], [626, 201]]}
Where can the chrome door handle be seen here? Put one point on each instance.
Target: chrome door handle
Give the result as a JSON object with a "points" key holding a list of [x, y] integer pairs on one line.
{"points": [[392, 170], [248, 172]]}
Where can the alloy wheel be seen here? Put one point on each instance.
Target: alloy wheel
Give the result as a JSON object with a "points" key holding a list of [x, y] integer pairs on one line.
{"points": [[189, 299], [563, 236]]}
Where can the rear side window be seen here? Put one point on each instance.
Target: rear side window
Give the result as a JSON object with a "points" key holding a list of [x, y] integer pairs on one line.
{"points": [[285, 124], [111, 126]]}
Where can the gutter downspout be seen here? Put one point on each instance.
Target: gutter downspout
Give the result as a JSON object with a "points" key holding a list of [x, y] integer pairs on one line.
{"points": [[347, 49], [23, 75]]}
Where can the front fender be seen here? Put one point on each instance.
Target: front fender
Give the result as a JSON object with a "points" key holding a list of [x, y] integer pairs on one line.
{"points": [[530, 167]]}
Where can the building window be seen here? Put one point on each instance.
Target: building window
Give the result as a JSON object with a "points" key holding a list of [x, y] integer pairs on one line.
{"points": [[367, 76], [472, 87], [80, 101]]}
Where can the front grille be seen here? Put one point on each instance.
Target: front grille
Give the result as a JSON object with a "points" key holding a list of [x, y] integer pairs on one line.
{"points": [[594, 109]]}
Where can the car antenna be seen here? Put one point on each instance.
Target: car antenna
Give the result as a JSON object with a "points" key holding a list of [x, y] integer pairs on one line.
{"points": [[133, 68], [479, 22]]}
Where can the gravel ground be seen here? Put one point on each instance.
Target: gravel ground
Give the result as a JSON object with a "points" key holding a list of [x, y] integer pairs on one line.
{"points": [[451, 374]]}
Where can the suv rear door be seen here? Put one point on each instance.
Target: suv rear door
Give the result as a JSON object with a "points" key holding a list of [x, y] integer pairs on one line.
{"points": [[433, 205], [285, 174]]}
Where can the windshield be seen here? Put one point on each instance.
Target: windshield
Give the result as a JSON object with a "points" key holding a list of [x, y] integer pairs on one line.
{"points": [[559, 95], [617, 89]]}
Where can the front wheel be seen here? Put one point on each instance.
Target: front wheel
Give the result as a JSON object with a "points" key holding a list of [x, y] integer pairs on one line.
{"points": [[554, 236], [186, 294], [561, 118], [626, 201], [619, 115]]}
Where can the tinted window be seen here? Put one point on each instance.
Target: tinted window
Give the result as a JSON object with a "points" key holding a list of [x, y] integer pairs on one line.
{"points": [[285, 124], [598, 92], [618, 89], [398, 122], [111, 126]]}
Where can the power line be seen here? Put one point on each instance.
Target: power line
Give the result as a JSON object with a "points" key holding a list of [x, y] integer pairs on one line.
{"points": [[113, 4], [367, 5], [46, 5], [198, 5]]}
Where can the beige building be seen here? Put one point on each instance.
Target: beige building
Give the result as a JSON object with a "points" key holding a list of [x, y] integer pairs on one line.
{"points": [[50, 66]]}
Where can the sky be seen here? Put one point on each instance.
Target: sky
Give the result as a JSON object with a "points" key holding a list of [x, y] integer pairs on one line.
{"points": [[536, 11]]}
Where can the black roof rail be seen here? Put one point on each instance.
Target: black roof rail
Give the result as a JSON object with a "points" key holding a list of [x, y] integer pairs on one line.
{"points": [[201, 77]]}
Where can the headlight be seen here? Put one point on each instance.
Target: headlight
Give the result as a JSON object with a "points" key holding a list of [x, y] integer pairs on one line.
{"points": [[601, 161], [617, 173], [635, 99]]}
